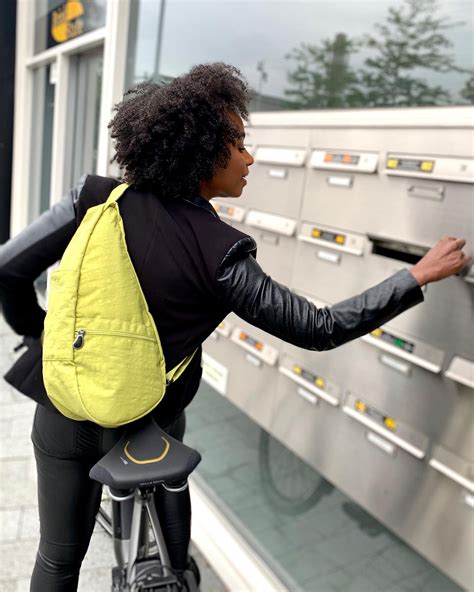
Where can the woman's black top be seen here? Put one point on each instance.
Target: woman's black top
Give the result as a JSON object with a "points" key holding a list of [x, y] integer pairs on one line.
{"points": [[194, 269]]}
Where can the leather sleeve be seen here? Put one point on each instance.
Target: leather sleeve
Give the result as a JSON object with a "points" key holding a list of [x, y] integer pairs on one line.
{"points": [[258, 299], [24, 257]]}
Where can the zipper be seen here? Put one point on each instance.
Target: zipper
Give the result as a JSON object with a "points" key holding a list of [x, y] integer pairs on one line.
{"points": [[81, 333]]}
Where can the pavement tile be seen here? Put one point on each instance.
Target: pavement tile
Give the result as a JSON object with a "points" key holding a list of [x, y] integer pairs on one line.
{"points": [[18, 559], [8, 585], [29, 524], [9, 525]]}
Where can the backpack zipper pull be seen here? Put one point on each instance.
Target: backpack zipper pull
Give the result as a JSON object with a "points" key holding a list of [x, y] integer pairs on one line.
{"points": [[79, 341]]}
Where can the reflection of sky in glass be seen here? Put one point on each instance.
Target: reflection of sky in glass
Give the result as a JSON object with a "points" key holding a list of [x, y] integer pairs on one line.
{"points": [[245, 32]]}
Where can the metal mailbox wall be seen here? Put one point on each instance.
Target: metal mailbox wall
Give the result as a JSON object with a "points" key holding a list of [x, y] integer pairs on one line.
{"points": [[388, 418]]}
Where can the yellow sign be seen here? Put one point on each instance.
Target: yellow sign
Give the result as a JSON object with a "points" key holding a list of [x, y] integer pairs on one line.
{"points": [[392, 163], [66, 22], [318, 381], [427, 166], [390, 423]]}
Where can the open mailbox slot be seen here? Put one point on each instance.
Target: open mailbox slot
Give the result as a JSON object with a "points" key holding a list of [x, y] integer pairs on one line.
{"points": [[400, 434], [397, 250]]}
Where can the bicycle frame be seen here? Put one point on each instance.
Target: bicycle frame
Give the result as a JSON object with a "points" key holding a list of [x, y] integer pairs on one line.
{"points": [[133, 513]]}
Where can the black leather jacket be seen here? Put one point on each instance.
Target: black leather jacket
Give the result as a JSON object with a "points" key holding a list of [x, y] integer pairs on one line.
{"points": [[244, 287]]}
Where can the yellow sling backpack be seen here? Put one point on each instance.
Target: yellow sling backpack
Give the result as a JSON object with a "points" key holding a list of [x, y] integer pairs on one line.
{"points": [[102, 356]]}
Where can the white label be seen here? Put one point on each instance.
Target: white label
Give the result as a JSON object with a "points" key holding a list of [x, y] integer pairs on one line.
{"points": [[469, 500], [371, 424], [331, 257], [255, 347], [340, 181], [354, 244], [272, 222], [331, 399], [290, 156], [347, 160], [229, 212], [307, 396], [278, 173], [381, 443], [214, 373], [253, 360], [430, 167], [395, 364]]}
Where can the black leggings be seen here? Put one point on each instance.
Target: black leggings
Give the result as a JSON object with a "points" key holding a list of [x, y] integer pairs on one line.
{"points": [[69, 500]]}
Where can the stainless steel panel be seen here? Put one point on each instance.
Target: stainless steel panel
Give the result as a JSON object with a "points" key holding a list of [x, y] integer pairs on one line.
{"points": [[275, 252], [390, 482], [254, 395], [276, 179], [444, 320], [416, 373], [414, 209]]}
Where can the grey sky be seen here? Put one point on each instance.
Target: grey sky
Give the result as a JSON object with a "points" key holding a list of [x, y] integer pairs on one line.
{"points": [[245, 32]]}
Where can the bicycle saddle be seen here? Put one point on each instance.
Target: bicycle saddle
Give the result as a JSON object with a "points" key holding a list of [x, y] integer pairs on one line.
{"points": [[145, 455]]}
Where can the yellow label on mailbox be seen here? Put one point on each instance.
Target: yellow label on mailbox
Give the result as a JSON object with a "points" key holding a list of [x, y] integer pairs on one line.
{"points": [[427, 166], [390, 423], [392, 163], [376, 332], [315, 233], [318, 381], [297, 369], [360, 406]]}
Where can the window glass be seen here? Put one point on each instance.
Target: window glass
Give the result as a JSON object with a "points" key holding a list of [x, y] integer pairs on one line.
{"points": [[314, 54], [85, 85], [44, 80], [58, 21]]}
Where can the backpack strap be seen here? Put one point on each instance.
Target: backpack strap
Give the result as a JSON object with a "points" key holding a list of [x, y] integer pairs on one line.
{"points": [[176, 372], [116, 194]]}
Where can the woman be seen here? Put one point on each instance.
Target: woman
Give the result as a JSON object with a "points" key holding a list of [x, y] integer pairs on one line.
{"points": [[179, 145]]}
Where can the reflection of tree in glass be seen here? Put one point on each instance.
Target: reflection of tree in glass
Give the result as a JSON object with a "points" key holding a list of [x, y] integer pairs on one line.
{"points": [[322, 76], [412, 37], [467, 92]]}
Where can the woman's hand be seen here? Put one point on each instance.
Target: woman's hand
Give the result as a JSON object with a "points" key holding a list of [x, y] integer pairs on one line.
{"points": [[446, 258]]}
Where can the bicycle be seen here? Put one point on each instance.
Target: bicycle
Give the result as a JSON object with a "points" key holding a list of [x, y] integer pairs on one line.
{"points": [[143, 459]]}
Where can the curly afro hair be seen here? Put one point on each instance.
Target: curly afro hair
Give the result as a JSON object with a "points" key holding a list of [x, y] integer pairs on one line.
{"points": [[170, 137]]}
